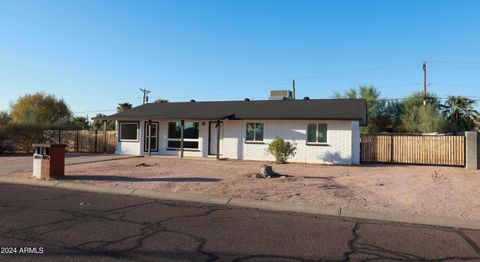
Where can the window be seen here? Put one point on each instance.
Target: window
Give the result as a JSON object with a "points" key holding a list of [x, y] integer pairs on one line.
{"points": [[317, 133], [190, 135], [128, 131], [254, 132], [153, 139]]}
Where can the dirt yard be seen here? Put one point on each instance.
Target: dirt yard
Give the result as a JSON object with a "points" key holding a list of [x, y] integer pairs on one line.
{"points": [[445, 191]]}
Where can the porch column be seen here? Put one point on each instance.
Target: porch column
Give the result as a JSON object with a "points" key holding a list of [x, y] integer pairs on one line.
{"points": [[149, 134], [218, 139], [182, 128]]}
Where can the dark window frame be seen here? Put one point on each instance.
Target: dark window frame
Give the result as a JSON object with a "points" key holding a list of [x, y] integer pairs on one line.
{"points": [[197, 140], [145, 149]]}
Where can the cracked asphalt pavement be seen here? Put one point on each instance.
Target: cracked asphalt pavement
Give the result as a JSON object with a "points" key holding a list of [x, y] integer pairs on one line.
{"points": [[76, 226]]}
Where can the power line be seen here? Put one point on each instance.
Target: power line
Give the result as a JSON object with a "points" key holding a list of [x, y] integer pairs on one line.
{"points": [[320, 76], [456, 62]]}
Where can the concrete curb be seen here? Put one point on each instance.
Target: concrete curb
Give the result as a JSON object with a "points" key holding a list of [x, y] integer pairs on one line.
{"points": [[278, 206], [250, 203]]}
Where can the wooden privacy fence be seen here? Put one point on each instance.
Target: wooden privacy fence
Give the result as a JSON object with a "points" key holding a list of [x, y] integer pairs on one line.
{"points": [[448, 150], [85, 141]]}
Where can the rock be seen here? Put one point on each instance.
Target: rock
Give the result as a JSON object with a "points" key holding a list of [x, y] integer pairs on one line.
{"points": [[267, 172], [141, 165]]}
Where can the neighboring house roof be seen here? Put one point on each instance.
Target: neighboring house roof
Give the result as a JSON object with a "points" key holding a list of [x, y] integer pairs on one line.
{"points": [[313, 109]]}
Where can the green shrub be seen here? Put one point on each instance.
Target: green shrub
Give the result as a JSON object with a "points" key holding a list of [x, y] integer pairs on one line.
{"points": [[282, 150]]}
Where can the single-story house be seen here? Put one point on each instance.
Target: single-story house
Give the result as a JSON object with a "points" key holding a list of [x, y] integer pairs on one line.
{"points": [[325, 131]]}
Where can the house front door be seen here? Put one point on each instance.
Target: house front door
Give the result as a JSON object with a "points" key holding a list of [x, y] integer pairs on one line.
{"points": [[213, 137]]}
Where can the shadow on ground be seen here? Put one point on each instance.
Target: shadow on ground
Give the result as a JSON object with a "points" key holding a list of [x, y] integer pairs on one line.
{"points": [[139, 179]]}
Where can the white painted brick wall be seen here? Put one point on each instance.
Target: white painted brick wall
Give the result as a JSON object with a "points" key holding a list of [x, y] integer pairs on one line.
{"points": [[343, 141], [338, 150]]}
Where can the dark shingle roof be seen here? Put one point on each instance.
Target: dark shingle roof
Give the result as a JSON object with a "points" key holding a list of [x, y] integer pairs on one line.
{"points": [[314, 109]]}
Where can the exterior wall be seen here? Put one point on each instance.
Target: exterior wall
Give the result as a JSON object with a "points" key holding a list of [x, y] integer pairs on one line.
{"points": [[355, 142], [163, 140], [127, 147], [337, 151], [343, 141]]}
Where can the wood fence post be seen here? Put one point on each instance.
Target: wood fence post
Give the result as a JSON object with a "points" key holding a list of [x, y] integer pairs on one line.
{"points": [[59, 136]]}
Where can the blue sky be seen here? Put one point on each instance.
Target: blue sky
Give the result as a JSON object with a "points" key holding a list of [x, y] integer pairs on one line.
{"points": [[95, 54]]}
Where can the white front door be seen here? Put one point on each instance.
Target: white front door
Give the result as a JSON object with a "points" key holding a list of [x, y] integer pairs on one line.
{"points": [[213, 139]]}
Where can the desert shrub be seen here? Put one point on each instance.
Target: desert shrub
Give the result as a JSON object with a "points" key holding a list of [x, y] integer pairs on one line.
{"points": [[282, 150]]}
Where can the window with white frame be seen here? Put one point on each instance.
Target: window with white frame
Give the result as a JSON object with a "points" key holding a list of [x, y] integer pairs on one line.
{"points": [[190, 135], [254, 132], [128, 131], [317, 133]]}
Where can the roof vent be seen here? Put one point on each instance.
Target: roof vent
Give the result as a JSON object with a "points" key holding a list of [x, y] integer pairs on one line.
{"points": [[280, 95], [306, 98], [246, 99], [193, 100]]}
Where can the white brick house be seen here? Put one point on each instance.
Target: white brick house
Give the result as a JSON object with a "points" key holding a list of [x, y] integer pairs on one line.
{"points": [[324, 131]]}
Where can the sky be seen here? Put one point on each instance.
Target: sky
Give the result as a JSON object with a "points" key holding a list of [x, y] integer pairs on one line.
{"points": [[96, 54]]}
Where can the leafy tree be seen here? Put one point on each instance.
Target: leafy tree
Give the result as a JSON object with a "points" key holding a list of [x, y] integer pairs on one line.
{"points": [[80, 122], [386, 117], [4, 121], [4, 118], [382, 115], [40, 109], [282, 150], [98, 124], [460, 113], [124, 106], [160, 100], [419, 118]]}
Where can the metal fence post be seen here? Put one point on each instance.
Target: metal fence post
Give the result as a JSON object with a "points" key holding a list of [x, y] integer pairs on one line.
{"points": [[391, 148], [77, 142], [96, 141]]}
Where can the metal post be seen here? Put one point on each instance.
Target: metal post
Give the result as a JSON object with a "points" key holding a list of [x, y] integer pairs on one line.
{"points": [[96, 141], [182, 128], [391, 148], [218, 139], [104, 136], [59, 136], [149, 134], [77, 147]]}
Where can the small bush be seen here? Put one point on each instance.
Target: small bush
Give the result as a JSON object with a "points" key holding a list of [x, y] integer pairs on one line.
{"points": [[282, 150]]}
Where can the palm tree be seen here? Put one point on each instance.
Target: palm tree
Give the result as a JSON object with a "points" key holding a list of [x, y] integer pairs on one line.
{"points": [[460, 111], [124, 106]]}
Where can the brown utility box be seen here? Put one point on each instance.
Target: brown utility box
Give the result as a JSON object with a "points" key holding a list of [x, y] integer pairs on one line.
{"points": [[48, 161]]}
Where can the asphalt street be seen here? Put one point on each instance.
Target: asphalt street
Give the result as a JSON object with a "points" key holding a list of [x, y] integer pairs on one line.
{"points": [[65, 225]]}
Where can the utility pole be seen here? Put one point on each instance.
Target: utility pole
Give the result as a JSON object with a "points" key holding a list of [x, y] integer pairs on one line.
{"points": [[424, 83], [145, 94], [293, 89]]}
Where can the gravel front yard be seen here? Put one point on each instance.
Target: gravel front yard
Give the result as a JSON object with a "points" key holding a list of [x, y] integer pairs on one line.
{"points": [[445, 191]]}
